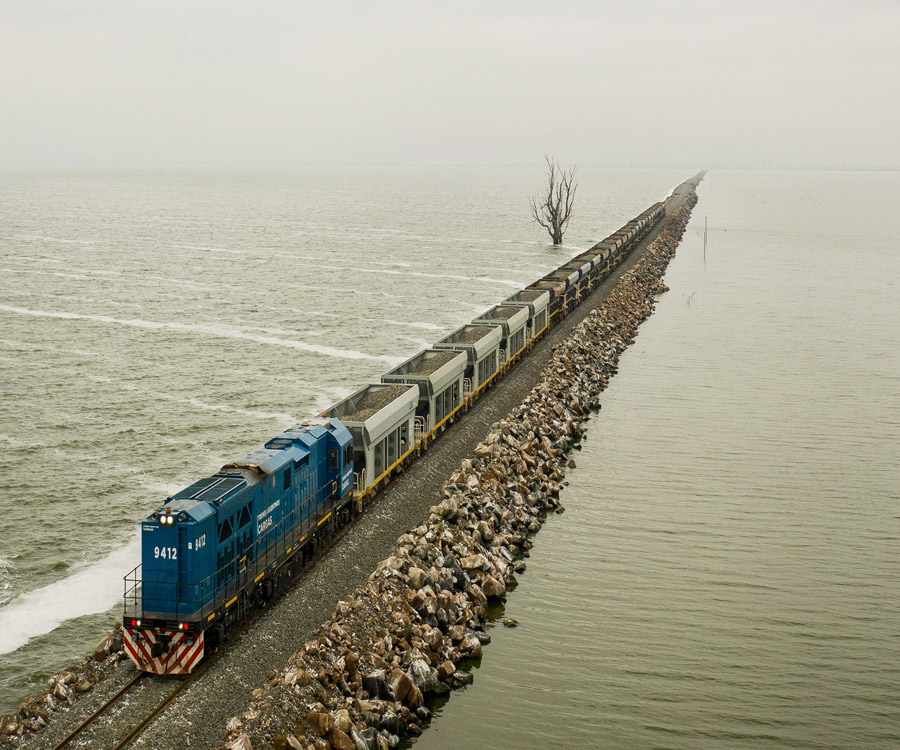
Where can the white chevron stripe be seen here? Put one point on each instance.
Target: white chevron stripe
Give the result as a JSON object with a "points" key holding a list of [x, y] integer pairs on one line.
{"points": [[181, 657]]}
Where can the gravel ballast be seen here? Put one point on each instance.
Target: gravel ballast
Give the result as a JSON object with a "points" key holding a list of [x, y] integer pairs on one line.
{"points": [[526, 296]]}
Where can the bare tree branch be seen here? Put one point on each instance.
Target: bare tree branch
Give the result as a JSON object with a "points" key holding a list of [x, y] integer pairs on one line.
{"points": [[552, 209]]}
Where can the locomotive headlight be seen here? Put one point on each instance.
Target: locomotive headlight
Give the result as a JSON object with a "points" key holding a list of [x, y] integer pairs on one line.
{"points": [[170, 520]]}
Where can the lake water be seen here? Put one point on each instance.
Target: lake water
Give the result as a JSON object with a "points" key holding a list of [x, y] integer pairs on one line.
{"points": [[156, 325], [727, 573]]}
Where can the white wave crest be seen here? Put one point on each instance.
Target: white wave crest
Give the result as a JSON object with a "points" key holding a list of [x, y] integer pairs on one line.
{"points": [[46, 238], [93, 589], [408, 324], [216, 331], [423, 275]]}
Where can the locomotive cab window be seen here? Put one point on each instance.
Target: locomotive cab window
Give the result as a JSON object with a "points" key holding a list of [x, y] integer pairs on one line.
{"points": [[333, 458]]}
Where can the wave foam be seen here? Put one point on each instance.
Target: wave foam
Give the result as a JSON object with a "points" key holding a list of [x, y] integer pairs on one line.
{"points": [[215, 331], [93, 589]]}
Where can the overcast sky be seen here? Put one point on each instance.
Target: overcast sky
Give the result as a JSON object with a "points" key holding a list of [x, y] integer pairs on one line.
{"points": [[609, 83]]}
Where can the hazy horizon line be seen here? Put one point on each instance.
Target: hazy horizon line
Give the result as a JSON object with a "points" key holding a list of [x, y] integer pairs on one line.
{"points": [[285, 166]]}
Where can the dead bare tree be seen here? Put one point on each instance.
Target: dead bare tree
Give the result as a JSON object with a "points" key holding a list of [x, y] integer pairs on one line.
{"points": [[552, 208]]}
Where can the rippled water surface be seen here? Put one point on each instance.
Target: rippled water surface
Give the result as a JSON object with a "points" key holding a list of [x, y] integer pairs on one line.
{"points": [[155, 325], [727, 573]]}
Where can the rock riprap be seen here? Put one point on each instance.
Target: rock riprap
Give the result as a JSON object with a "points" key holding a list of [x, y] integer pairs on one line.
{"points": [[366, 678], [64, 688]]}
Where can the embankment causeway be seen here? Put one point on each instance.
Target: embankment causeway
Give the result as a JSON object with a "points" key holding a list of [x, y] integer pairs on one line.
{"points": [[364, 681]]}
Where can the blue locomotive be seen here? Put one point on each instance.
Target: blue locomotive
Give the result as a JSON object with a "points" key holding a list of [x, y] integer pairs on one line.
{"points": [[221, 546], [216, 551]]}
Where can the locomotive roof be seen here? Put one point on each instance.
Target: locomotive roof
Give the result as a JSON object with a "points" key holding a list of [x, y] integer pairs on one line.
{"points": [[269, 460], [309, 431], [195, 510], [210, 489]]}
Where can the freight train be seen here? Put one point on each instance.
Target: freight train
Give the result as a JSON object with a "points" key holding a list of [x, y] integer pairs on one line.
{"points": [[215, 552]]}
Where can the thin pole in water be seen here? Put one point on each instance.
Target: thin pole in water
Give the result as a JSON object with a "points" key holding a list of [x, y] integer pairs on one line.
{"points": [[705, 228]]}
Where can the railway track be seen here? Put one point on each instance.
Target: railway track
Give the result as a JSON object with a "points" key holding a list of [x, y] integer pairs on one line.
{"points": [[100, 711]]}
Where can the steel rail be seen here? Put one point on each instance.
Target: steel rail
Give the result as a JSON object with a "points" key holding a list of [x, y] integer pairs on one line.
{"points": [[100, 711]]}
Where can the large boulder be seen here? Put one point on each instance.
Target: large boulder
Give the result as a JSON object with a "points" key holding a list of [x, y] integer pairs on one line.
{"points": [[340, 740], [446, 670], [364, 740], [342, 720], [103, 649], [447, 509], [296, 676], [401, 684], [241, 742], [487, 533], [375, 684], [422, 675], [492, 588], [319, 722], [416, 578], [475, 562]]}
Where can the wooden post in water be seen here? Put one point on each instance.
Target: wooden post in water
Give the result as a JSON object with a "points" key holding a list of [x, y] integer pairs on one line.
{"points": [[705, 228]]}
